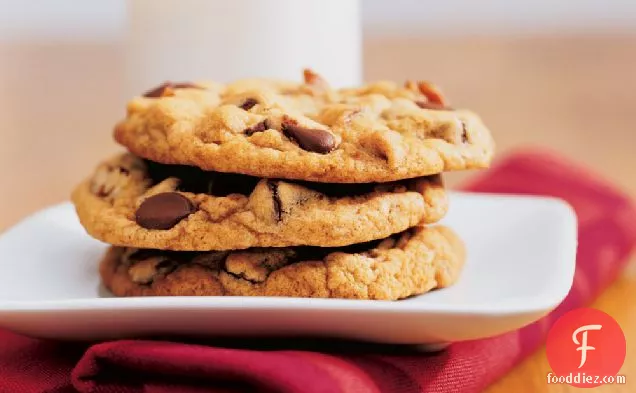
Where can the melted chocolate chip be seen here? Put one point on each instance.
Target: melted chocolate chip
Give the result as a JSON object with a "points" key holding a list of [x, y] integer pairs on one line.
{"points": [[163, 211], [258, 127], [191, 179], [278, 208], [314, 140], [197, 181], [432, 105], [160, 90], [224, 184], [248, 104]]}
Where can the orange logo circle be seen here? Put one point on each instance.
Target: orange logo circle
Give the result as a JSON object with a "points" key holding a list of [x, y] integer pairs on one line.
{"points": [[586, 348]]}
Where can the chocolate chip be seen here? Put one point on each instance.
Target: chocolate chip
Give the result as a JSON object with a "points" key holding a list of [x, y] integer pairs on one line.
{"points": [[163, 211], [432, 105], [258, 127], [102, 192], [166, 87], [123, 170], [464, 132], [314, 140], [278, 206], [248, 104]]}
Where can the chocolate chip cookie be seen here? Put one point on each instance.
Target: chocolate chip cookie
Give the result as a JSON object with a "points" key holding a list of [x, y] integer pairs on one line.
{"points": [[411, 263], [272, 129], [133, 202]]}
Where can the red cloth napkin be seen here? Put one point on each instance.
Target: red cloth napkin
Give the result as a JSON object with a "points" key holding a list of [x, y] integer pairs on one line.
{"points": [[607, 233]]}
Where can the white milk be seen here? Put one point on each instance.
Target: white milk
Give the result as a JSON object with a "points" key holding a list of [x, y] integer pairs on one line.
{"points": [[185, 40]]}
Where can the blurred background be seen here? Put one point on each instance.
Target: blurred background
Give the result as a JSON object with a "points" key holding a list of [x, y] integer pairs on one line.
{"points": [[556, 73]]}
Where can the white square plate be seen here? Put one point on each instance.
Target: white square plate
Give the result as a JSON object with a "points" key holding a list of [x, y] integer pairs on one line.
{"points": [[521, 257]]}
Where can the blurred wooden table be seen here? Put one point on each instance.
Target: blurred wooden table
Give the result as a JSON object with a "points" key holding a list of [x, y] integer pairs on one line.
{"points": [[575, 95]]}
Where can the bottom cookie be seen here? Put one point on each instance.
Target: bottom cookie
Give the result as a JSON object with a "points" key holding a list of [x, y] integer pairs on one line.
{"points": [[403, 265]]}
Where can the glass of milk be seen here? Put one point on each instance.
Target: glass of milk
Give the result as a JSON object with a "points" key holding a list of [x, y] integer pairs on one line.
{"points": [[223, 40]]}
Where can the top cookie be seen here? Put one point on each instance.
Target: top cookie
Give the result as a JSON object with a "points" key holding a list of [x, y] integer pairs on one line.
{"points": [[375, 133]]}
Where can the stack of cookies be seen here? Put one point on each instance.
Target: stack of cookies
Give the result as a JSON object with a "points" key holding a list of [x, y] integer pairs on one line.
{"points": [[271, 188]]}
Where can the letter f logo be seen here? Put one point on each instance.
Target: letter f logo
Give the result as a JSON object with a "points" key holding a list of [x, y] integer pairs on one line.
{"points": [[583, 344]]}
